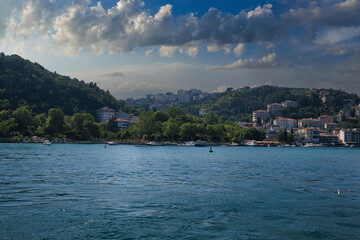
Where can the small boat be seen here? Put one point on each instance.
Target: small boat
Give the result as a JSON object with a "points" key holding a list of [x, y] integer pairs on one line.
{"points": [[200, 144], [112, 143], [252, 143], [153, 143], [47, 142]]}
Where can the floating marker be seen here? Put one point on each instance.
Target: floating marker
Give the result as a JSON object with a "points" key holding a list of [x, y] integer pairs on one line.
{"points": [[210, 149]]}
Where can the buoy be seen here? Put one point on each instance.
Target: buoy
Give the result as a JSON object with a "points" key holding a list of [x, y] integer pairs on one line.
{"points": [[210, 149], [105, 146], [338, 192]]}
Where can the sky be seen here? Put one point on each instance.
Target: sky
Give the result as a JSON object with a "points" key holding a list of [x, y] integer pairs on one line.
{"points": [[134, 47]]}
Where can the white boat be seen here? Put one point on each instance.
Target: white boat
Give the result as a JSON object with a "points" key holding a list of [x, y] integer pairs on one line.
{"points": [[252, 143], [47, 142], [189, 143], [153, 143], [112, 143]]}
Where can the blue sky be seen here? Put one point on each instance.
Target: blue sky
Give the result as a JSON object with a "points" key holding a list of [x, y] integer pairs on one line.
{"points": [[134, 47]]}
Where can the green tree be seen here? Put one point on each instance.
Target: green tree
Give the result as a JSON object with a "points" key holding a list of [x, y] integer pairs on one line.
{"points": [[211, 118], [160, 116], [55, 122], [174, 112], [23, 119], [171, 130], [147, 126]]}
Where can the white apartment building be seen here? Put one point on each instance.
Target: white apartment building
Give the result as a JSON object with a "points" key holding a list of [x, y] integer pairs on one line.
{"points": [[309, 122], [349, 135], [285, 123], [274, 108], [105, 114], [123, 123], [289, 104], [261, 114]]}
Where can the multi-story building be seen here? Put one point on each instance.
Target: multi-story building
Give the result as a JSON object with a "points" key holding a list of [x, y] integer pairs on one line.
{"points": [[122, 123], [195, 92], [105, 114], [170, 97], [285, 123], [350, 135], [289, 103], [261, 114], [327, 99], [309, 122], [330, 126], [324, 119], [274, 108], [184, 98], [329, 138], [160, 98]]}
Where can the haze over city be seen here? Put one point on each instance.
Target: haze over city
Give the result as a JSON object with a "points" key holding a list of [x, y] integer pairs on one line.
{"points": [[134, 47]]}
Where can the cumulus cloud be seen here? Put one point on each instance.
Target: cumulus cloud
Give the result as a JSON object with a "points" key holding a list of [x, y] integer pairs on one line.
{"points": [[190, 51], [239, 49], [79, 26], [114, 74], [269, 61], [167, 51]]}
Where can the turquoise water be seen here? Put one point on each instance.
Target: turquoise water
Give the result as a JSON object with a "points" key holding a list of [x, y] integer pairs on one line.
{"points": [[75, 191]]}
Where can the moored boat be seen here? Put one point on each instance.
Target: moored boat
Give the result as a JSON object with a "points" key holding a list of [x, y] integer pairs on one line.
{"points": [[47, 142]]}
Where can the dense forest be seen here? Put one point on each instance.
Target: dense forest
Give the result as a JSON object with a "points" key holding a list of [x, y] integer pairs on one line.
{"points": [[25, 83]]}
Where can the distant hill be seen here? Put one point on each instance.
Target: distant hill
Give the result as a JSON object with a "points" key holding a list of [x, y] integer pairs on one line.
{"points": [[25, 83], [238, 104]]}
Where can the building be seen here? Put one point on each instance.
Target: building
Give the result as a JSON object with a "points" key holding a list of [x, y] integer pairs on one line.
{"points": [[261, 114], [357, 110], [349, 135], [330, 126], [285, 123], [343, 114], [289, 104], [327, 99], [329, 139], [309, 122], [184, 98], [170, 97], [203, 112], [160, 98], [324, 119], [274, 108], [104, 114], [195, 92], [122, 123]]}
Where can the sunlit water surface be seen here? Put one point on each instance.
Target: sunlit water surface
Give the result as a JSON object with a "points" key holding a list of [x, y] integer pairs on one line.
{"points": [[75, 191]]}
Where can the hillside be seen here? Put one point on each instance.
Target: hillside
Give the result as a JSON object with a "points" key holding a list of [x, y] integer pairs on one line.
{"points": [[25, 83], [238, 105]]}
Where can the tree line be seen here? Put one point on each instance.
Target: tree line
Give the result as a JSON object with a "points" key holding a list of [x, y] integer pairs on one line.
{"points": [[170, 125]]}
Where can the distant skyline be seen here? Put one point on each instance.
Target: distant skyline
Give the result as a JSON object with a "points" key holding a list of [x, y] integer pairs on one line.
{"points": [[133, 47]]}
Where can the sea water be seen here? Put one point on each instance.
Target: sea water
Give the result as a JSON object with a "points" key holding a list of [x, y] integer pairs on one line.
{"points": [[73, 191]]}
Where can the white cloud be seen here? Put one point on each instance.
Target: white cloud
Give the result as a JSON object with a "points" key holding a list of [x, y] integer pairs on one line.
{"points": [[167, 51], [269, 61], [239, 49], [337, 35], [148, 52], [190, 51]]}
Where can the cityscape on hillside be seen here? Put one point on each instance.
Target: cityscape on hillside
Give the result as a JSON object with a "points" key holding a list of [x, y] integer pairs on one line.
{"points": [[329, 130]]}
